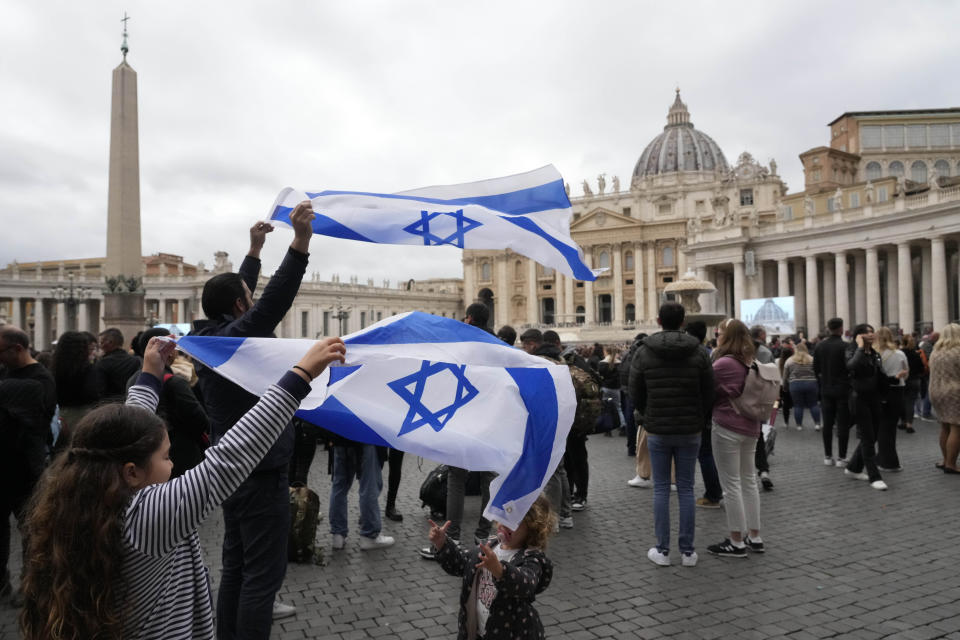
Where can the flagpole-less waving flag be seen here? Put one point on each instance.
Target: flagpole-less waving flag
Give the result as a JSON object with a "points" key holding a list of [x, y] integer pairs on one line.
{"points": [[430, 386], [528, 213]]}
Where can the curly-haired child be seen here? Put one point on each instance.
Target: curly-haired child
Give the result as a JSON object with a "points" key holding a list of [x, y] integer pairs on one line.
{"points": [[501, 579]]}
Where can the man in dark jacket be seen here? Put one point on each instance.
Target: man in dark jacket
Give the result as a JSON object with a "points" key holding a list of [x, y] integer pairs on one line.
{"points": [[830, 367], [671, 381], [866, 375], [115, 366], [256, 517]]}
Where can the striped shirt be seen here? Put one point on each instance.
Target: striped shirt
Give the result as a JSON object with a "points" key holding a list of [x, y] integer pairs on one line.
{"points": [[165, 586]]}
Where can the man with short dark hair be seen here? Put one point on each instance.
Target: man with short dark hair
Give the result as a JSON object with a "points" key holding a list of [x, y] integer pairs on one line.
{"points": [[671, 381], [508, 334], [115, 366], [830, 367], [478, 315]]}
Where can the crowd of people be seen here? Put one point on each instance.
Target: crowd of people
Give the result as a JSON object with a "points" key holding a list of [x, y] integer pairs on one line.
{"points": [[115, 454]]}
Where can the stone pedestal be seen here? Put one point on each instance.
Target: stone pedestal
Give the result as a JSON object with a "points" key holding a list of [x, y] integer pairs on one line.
{"points": [[125, 311]]}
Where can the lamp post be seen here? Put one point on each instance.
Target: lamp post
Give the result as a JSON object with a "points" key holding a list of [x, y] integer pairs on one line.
{"points": [[342, 315], [71, 295]]}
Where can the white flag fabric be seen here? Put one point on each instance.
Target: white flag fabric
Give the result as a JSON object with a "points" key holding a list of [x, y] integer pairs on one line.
{"points": [[528, 213], [430, 386]]}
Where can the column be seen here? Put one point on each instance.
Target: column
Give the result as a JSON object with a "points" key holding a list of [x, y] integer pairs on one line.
{"points": [[40, 340], [83, 316], [893, 286], [533, 303], [618, 303], [739, 284], [560, 301], [800, 296], [163, 310], [588, 303], [15, 317], [859, 288], [185, 315], [568, 295], [502, 297], [840, 283], [872, 273], [783, 278], [760, 279], [653, 300], [813, 297], [681, 261], [704, 299], [926, 285], [829, 290], [469, 282], [938, 276], [905, 312], [638, 308], [61, 318]]}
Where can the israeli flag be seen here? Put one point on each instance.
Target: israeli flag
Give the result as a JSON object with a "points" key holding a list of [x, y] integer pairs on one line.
{"points": [[528, 213], [430, 386]]}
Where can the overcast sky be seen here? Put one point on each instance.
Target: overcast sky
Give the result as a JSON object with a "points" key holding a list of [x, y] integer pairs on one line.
{"points": [[238, 100]]}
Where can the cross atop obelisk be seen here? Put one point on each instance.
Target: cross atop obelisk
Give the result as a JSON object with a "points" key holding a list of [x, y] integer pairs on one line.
{"points": [[123, 46]]}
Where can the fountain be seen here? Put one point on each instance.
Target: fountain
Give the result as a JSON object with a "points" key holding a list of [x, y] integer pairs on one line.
{"points": [[689, 289]]}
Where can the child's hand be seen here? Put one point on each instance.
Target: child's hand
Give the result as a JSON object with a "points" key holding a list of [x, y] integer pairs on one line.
{"points": [[490, 561], [321, 354], [438, 534], [155, 355]]}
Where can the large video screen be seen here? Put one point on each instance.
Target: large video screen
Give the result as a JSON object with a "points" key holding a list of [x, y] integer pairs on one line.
{"points": [[775, 315]]}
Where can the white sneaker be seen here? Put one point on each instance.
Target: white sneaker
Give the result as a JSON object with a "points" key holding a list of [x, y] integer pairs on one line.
{"points": [[281, 610], [338, 541], [643, 483], [828, 462], [816, 427], [856, 476], [566, 523], [689, 559], [799, 427], [879, 485], [841, 462], [379, 542], [656, 557]]}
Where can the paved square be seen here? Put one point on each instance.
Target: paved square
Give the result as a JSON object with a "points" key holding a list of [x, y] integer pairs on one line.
{"points": [[842, 561]]}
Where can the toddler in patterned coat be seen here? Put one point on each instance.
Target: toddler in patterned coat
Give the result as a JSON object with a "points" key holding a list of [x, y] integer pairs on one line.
{"points": [[501, 579]]}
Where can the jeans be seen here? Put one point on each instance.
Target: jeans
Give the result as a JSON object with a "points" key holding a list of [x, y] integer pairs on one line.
{"points": [[868, 419], [558, 491], [708, 469], [256, 520], [614, 395], [456, 492], [734, 454], [804, 394], [348, 462], [578, 468], [665, 450], [836, 410], [887, 432]]}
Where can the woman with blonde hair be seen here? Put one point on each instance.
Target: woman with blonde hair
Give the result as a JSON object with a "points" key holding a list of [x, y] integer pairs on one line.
{"points": [[895, 372], [945, 394], [801, 381], [734, 440]]}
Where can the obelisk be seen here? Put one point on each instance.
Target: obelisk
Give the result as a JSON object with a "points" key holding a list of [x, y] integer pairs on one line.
{"points": [[123, 269]]}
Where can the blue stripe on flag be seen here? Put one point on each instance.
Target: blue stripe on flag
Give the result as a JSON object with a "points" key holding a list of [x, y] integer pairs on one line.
{"points": [[544, 197], [212, 352], [420, 327], [339, 373], [323, 225], [570, 254], [539, 396], [335, 416]]}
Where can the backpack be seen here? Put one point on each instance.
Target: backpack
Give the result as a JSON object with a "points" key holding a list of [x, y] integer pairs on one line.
{"points": [[433, 492], [589, 403], [761, 389], [304, 518]]}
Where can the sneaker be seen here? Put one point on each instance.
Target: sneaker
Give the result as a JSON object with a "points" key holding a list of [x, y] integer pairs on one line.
{"points": [[429, 553], [766, 481], [879, 485], [579, 505], [892, 469], [281, 610], [828, 462], [841, 462], [799, 427], [756, 547], [566, 523], [689, 559], [726, 549], [656, 557], [816, 427], [643, 483], [706, 503], [379, 542], [856, 476], [338, 541]]}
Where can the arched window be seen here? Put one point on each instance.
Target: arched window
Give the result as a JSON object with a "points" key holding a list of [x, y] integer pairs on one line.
{"points": [[581, 312], [896, 168], [628, 261], [630, 313], [918, 171], [667, 260], [485, 272], [874, 171], [603, 260], [518, 270], [943, 168]]}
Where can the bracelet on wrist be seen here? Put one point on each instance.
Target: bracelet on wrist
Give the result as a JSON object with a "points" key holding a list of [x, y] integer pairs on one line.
{"points": [[299, 368]]}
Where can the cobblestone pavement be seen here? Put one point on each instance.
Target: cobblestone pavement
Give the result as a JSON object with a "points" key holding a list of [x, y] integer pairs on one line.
{"points": [[843, 561]]}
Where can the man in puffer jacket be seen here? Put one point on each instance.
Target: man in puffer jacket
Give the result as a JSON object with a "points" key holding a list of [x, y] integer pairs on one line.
{"points": [[671, 382]]}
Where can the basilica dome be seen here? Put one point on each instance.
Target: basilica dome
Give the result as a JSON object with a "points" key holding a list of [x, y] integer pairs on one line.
{"points": [[680, 147]]}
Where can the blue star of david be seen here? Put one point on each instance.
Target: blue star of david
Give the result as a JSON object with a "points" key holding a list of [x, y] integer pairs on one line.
{"points": [[418, 414], [422, 228]]}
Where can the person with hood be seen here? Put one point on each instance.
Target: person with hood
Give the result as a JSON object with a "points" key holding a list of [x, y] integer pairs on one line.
{"points": [[671, 381]]}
